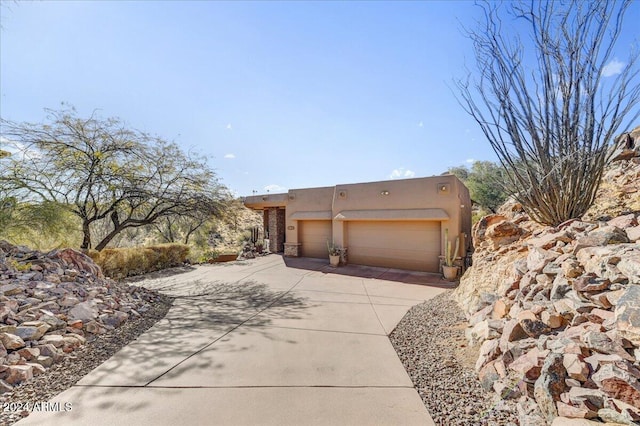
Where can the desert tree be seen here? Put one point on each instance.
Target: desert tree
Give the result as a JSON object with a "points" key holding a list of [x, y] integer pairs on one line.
{"points": [[550, 102], [486, 181], [105, 173]]}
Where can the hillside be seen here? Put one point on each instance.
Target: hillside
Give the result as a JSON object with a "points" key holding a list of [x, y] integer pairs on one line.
{"points": [[556, 310]]}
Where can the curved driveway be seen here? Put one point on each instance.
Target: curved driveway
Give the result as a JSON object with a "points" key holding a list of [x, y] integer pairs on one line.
{"points": [[269, 341]]}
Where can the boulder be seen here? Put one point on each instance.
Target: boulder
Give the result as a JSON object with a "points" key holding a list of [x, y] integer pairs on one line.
{"points": [[534, 328], [85, 311], [538, 258], [601, 237], [576, 367], [626, 146], [629, 266], [633, 233], [11, 341], [18, 374], [618, 383], [571, 411], [550, 385], [627, 314], [488, 375], [32, 330], [579, 395]]}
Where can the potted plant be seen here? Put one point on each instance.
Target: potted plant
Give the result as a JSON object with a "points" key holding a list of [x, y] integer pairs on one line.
{"points": [[334, 253], [449, 270]]}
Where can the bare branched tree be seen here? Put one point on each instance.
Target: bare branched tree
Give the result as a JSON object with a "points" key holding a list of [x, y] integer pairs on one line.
{"points": [[105, 173], [551, 107]]}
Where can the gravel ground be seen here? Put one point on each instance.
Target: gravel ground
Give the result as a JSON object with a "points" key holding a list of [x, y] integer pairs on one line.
{"points": [[77, 364], [431, 344]]}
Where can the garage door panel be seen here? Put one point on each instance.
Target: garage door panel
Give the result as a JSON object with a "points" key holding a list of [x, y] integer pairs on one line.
{"points": [[313, 235], [406, 245]]}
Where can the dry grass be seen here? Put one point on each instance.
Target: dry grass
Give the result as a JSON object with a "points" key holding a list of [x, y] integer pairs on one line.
{"points": [[125, 262]]}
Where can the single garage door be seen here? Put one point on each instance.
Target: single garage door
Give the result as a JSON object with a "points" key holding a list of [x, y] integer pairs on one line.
{"points": [[413, 245], [313, 234]]}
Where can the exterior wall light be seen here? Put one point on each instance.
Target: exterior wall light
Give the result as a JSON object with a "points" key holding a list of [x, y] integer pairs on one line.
{"points": [[385, 192]]}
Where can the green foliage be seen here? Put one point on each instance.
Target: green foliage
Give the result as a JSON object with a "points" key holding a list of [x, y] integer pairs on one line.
{"points": [[111, 177], [125, 262], [43, 225], [486, 182], [19, 266]]}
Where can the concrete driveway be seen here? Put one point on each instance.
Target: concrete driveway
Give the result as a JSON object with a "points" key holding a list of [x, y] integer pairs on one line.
{"points": [[270, 341]]}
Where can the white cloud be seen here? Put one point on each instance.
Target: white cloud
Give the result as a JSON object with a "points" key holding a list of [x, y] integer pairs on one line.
{"points": [[230, 156], [18, 148], [402, 173], [275, 188], [614, 67], [471, 160], [229, 126]]}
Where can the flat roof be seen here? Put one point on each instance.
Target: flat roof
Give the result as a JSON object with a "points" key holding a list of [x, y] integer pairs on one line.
{"points": [[393, 214]]}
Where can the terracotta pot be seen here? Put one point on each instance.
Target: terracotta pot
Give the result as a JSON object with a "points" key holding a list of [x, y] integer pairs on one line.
{"points": [[334, 260], [450, 272]]}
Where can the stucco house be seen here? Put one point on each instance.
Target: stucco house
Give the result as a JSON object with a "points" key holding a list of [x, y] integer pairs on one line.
{"points": [[396, 223]]}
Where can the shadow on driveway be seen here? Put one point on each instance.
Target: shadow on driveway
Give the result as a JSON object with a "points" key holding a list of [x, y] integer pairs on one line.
{"points": [[372, 272]]}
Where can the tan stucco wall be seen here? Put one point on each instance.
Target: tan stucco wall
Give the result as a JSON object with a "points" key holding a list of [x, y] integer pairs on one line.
{"points": [[311, 200], [444, 192]]}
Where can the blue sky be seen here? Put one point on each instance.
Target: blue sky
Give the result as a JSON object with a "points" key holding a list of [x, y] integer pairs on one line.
{"points": [[278, 95]]}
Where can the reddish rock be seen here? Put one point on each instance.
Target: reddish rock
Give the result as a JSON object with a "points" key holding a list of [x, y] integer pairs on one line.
{"points": [[588, 283], [18, 374], [512, 331], [534, 328], [77, 324], [550, 385], [551, 319], [527, 368], [618, 384], [572, 268], [500, 309], [526, 314], [11, 341], [602, 314], [625, 221], [548, 241], [80, 261], [566, 410], [594, 397], [29, 353], [503, 233], [488, 375], [576, 367]]}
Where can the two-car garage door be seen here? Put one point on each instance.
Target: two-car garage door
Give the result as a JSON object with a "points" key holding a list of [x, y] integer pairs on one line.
{"points": [[411, 245]]}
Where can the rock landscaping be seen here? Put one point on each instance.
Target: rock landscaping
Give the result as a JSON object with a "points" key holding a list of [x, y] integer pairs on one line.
{"points": [[430, 342], [556, 310], [52, 304]]}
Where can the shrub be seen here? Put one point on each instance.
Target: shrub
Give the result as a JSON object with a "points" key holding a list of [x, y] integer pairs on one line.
{"points": [[125, 262]]}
